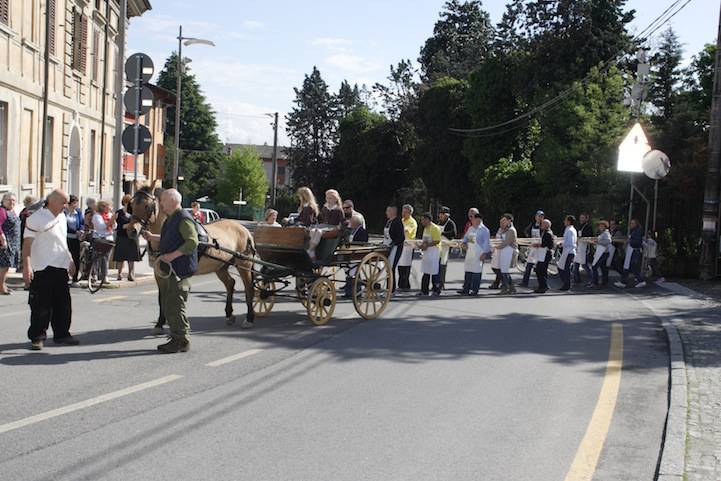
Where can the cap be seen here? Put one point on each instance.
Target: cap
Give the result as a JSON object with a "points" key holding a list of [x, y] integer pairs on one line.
{"points": [[445, 210], [540, 212]]}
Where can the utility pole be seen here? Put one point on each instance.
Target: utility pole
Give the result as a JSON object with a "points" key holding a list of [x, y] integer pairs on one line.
{"points": [[274, 170], [710, 233], [118, 159], [46, 92], [178, 85]]}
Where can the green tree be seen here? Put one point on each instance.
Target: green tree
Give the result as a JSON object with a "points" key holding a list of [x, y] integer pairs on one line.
{"points": [[461, 39], [666, 74], [243, 170], [201, 149], [399, 99], [347, 99], [311, 126]]}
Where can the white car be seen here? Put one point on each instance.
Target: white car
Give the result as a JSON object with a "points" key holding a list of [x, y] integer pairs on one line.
{"points": [[209, 215]]}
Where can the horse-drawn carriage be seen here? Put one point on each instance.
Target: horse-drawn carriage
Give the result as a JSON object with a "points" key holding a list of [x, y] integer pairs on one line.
{"points": [[283, 264]]}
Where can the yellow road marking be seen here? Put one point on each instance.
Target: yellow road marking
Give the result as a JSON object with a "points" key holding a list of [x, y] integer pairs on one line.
{"points": [[584, 464], [111, 298], [86, 404], [234, 357]]}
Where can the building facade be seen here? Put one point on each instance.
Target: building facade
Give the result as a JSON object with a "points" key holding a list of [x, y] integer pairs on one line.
{"points": [[84, 45]]}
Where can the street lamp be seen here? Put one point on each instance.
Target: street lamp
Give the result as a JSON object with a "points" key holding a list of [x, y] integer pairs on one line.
{"points": [[179, 73]]}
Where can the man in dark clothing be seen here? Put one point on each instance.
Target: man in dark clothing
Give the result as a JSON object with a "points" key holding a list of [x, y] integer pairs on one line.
{"points": [[582, 256], [394, 235], [357, 234], [545, 253], [448, 232], [534, 231], [634, 256]]}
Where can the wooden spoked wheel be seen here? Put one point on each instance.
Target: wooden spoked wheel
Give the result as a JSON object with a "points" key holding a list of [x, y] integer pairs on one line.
{"points": [[321, 301], [372, 286], [264, 298]]}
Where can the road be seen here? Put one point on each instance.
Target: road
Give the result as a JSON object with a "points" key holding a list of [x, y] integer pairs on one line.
{"points": [[554, 387]]}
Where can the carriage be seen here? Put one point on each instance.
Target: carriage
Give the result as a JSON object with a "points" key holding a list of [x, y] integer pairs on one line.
{"points": [[284, 268]]}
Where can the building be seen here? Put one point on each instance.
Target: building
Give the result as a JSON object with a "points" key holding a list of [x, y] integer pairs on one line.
{"points": [[85, 44], [265, 152]]}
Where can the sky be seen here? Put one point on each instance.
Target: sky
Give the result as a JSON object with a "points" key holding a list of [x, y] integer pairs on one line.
{"points": [[265, 48]]}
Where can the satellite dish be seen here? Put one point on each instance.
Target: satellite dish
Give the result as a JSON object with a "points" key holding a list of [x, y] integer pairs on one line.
{"points": [[656, 164]]}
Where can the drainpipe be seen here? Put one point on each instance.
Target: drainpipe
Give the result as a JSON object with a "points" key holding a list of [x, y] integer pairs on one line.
{"points": [[104, 101]]}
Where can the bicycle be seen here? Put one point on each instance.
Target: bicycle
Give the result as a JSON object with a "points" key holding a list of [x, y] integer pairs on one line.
{"points": [[92, 263]]}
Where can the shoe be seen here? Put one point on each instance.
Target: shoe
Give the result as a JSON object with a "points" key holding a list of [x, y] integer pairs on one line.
{"points": [[67, 341], [473, 293], [74, 284], [420, 294], [36, 345], [619, 284], [641, 284], [173, 346], [503, 291], [157, 331], [436, 294], [7, 293], [131, 278], [565, 288], [119, 278], [540, 291], [523, 284], [462, 292], [590, 285], [512, 290]]}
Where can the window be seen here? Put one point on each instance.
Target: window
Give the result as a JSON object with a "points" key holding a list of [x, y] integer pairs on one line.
{"points": [[51, 36], [27, 140], [49, 139], [5, 12], [91, 157], [96, 53], [3, 141], [80, 41]]}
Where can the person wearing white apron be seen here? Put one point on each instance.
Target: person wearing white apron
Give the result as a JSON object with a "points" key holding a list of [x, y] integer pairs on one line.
{"points": [[430, 266], [570, 238], [634, 256], [410, 228], [478, 247], [394, 236], [533, 231], [583, 251], [600, 257], [544, 252], [448, 233], [508, 250]]}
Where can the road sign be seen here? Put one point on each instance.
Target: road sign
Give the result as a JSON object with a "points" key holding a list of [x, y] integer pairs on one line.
{"points": [[145, 139], [138, 99], [632, 150], [139, 67], [656, 165]]}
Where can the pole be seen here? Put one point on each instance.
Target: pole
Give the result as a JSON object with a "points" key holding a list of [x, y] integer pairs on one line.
{"points": [[655, 205], [137, 85], [710, 233], [630, 209], [178, 86], [274, 182], [119, 109], [46, 92], [104, 101]]}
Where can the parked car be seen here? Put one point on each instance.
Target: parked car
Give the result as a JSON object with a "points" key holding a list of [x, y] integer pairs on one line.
{"points": [[209, 215]]}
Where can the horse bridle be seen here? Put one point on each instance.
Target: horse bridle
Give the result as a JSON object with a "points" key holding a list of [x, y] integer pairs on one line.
{"points": [[150, 208]]}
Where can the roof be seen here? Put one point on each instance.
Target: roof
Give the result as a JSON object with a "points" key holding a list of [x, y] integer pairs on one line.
{"points": [[138, 7], [165, 96], [265, 151]]}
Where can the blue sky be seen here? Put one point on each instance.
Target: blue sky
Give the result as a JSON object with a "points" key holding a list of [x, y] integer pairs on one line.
{"points": [[265, 48]]}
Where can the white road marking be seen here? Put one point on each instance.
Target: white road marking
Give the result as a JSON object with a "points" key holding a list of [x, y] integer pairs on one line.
{"points": [[147, 293], [234, 357], [111, 298], [86, 404], [8, 314]]}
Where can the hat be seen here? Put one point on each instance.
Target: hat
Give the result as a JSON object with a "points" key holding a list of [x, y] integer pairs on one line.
{"points": [[603, 223], [540, 212], [445, 210]]}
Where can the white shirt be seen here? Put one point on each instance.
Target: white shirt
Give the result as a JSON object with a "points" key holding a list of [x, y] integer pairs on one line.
{"points": [[570, 238], [50, 245], [650, 246], [360, 217]]}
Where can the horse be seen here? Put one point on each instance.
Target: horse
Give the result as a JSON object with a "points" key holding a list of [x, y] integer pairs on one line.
{"points": [[229, 234]]}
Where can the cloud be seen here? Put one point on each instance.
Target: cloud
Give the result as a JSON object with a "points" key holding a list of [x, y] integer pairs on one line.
{"points": [[335, 44], [351, 63], [252, 24]]}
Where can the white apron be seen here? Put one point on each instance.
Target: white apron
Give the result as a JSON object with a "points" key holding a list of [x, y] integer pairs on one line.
{"points": [[406, 259], [600, 250], [505, 258], [611, 252], [473, 256], [534, 253], [387, 236], [627, 260], [431, 258], [445, 251], [562, 260], [581, 253]]}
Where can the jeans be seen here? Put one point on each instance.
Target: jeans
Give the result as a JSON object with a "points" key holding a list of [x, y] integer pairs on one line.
{"points": [[527, 273], [576, 268], [565, 273], [602, 266], [426, 280], [471, 282], [634, 267], [50, 305]]}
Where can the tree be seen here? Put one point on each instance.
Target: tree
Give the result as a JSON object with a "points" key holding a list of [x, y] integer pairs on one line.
{"points": [[201, 149], [399, 99], [347, 99], [242, 170], [311, 126], [461, 39], [666, 75]]}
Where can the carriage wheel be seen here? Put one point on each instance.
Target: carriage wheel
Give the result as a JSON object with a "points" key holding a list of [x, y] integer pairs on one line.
{"points": [[264, 298], [321, 301], [372, 286]]}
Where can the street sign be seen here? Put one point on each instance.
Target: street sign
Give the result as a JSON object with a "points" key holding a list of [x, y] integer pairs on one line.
{"points": [[135, 99], [139, 67], [656, 164], [145, 139], [632, 150]]}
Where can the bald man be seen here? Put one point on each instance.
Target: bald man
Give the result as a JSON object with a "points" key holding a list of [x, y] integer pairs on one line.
{"points": [[48, 265], [178, 261]]}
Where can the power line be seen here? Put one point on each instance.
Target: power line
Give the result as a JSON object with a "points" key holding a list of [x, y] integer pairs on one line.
{"points": [[564, 93]]}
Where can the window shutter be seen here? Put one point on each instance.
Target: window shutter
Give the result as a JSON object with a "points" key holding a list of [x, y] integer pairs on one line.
{"points": [[83, 42], [51, 34], [96, 53], [75, 63], [5, 11]]}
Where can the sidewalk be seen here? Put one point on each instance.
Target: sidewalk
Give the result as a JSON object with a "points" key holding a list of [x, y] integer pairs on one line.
{"points": [[143, 275], [699, 324]]}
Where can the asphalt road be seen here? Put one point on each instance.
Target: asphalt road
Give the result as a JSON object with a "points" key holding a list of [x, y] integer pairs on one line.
{"points": [[492, 388]]}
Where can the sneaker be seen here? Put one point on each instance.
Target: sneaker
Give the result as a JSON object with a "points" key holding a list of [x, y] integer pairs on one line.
{"points": [[74, 284], [173, 346], [462, 292], [619, 284], [67, 341], [36, 345], [641, 284]]}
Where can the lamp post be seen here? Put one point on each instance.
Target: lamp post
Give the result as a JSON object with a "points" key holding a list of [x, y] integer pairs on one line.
{"points": [[179, 73]]}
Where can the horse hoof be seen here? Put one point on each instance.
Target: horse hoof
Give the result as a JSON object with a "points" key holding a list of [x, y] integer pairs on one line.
{"points": [[229, 321], [247, 324]]}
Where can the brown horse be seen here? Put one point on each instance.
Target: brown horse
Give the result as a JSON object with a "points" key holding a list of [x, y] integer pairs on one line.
{"points": [[229, 234]]}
